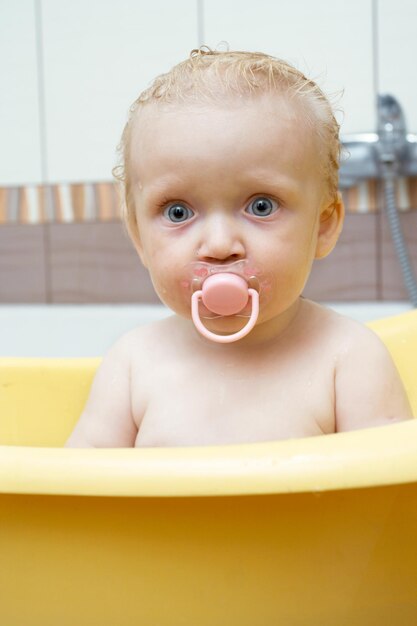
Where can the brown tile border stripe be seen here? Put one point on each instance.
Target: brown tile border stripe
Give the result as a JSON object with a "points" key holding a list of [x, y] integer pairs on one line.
{"points": [[63, 203], [3, 202], [99, 202]]}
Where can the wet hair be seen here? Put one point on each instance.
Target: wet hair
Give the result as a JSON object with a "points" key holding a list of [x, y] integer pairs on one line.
{"points": [[207, 76]]}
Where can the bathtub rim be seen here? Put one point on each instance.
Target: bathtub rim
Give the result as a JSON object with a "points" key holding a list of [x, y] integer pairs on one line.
{"points": [[373, 457]]}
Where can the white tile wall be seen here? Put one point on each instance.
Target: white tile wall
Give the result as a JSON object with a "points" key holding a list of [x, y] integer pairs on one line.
{"points": [[20, 159], [329, 40], [98, 55], [397, 59]]}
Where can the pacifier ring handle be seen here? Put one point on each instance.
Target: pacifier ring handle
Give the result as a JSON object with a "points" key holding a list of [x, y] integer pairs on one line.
{"points": [[195, 298]]}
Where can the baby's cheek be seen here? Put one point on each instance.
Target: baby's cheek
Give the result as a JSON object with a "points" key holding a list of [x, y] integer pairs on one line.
{"points": [[161, 285], [171, 293]]}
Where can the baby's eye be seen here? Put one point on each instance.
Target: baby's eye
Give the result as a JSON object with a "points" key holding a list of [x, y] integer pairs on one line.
{"points": [[178, 213], [262, 207]]}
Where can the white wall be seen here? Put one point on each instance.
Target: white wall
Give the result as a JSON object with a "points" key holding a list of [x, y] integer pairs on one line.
{"points": [[397, 45], [70, 69], [311, 34], [99, 55], [20, 141]]}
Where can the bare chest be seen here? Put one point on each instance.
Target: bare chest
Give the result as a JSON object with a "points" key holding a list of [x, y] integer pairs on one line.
{"points": [[219, 404]]}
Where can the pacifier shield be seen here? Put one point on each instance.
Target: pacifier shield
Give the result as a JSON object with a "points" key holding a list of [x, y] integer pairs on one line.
{"points": [[225, 293]]}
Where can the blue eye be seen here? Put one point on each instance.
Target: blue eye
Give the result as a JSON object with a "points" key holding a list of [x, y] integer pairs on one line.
{"points": [[178, 213], [262, 207]]}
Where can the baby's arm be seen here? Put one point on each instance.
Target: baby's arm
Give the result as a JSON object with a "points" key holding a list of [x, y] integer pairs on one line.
{"points": [[369, 391], [106, 421]]}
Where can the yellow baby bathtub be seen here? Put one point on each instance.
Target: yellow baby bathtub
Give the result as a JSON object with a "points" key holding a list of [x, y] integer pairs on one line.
{"points": [[319, 531]]}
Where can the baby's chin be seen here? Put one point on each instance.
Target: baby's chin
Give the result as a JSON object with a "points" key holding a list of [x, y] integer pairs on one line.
{"points": [[225, 325]]}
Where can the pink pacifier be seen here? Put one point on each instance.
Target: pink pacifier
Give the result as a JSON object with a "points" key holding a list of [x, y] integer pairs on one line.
{"points": [[225, 293]]}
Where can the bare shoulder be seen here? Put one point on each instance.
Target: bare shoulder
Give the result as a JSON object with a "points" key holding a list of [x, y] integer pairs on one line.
{"points": [[336, 334], [107, 420], [357, 341], [149, 342], [368, 389], [344, 335]]}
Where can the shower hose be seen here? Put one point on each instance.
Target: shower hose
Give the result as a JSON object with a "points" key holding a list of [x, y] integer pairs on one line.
{"points": [[389, 178]]}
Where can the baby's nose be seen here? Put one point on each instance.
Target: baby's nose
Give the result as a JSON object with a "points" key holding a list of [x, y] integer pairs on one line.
{"points": [[221, 240]]}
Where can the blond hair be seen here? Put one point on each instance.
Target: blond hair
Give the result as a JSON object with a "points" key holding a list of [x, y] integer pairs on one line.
{"points": [[206, 76]]}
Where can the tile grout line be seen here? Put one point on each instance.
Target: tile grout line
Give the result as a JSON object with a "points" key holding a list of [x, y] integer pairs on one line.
{"points": [[200, 22], [43, 140], [41, 90], [378, 224]]}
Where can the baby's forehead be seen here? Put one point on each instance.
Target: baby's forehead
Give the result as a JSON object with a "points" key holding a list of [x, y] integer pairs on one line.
{"points": [[277, 105], [254, 127], [242, 136]]}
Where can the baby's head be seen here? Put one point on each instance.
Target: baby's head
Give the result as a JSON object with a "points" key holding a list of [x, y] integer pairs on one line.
{"points": [[231, 156], [210, 77]]}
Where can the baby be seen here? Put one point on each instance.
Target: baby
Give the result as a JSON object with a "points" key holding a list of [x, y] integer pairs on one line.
{"points": [[230, 170]]}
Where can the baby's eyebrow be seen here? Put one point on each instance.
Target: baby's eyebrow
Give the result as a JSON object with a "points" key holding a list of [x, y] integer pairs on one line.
{"points": [[173, 187], [154, 197], [271, 184], [162, 185]]}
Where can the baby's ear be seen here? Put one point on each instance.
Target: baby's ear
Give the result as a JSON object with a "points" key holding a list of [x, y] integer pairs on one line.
{"points": [[332, 216]]}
